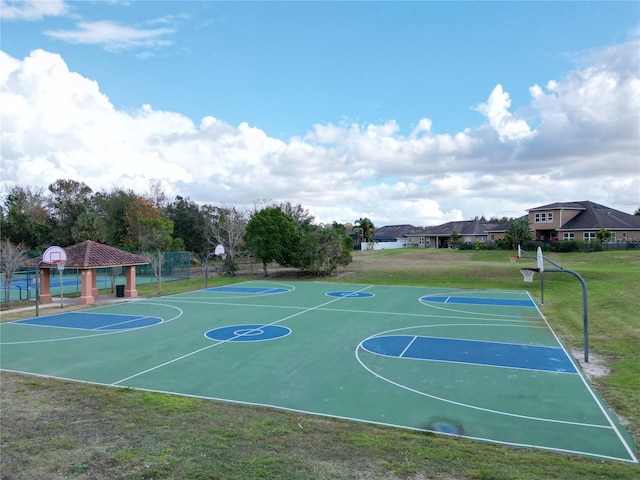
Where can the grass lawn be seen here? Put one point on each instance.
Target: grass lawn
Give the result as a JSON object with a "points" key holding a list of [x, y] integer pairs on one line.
{"points": [[52, 429]]}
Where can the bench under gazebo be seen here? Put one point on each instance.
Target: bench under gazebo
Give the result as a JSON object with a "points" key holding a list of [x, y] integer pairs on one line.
{"points": [[87, 257]]}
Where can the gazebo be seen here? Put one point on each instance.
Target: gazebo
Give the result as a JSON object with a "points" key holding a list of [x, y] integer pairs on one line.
{"points": [[87, 257]]}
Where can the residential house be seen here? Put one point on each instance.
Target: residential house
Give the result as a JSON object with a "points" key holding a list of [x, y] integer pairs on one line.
{"points": [[556, 221], [394, 233], [582, 221], [387, 237], [468, 231]]}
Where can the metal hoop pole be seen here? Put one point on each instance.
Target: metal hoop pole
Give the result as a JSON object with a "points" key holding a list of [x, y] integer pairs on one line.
{"points": [[61, 283], [585, 313], [37, 287], [206, 269], [585, 316]]}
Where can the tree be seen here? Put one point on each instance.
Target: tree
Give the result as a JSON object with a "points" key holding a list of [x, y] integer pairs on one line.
{"points": [[26, 218], [322, 248], [454, 239], [226, 226], [518, 233], [88, 226], [365, 231], [603, 235], [138, 211], [112, 208], [70, 200], [339, 227], [298, 213], [156, 235], [271, 237], [12, 258], [155, 194], [189, 224]]}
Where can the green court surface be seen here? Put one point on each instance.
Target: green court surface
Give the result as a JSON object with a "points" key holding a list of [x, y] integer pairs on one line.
{"points": [[479, 364]]}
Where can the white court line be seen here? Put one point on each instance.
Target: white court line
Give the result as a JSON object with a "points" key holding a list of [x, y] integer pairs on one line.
{"points": [[342, 417], [466, 316], [135, 319], [595, 397], [169, 362], [454, 402], [407, 347], [477, 313], [387, 424], [82, 337]]}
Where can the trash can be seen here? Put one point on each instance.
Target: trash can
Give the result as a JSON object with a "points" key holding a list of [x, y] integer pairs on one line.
{"points": [[119, 290]]}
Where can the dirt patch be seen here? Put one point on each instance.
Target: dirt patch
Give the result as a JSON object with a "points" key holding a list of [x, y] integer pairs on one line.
{"points": [[596, 366]]}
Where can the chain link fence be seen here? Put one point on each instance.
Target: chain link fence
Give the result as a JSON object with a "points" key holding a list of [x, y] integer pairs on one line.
{"points": [[175, 266]]}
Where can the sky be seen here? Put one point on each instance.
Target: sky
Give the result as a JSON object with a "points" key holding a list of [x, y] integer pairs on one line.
{"points": [[414, 113]]}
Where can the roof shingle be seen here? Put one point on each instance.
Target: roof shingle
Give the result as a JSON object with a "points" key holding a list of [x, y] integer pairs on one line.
{"points": [[90, 254]]}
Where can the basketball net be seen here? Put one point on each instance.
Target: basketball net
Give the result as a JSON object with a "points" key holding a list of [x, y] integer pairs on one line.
{"points": [[528, 274], [60, 266]]}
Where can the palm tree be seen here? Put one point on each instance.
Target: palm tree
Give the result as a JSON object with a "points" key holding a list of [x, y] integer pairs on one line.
{"points": [[365, 230], [518, 233]]}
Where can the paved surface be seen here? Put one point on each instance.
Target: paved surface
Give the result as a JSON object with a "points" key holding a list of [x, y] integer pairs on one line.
{"points": [[223, 344], [66, 302]]}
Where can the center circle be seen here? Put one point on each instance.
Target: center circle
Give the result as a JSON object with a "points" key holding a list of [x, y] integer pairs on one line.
{"points": [[349, 294], [247, 333]]}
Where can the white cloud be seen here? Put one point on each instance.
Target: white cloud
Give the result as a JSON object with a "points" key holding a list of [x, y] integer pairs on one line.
{"points": [[113, 36], [600, 100], [496, 109], [31, 9], [423, 127], [59, 124]]}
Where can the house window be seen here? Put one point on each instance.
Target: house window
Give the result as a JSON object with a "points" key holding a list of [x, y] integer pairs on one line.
{"points": [[588, 236], [421, 241], [624, 236], [543, 217], [568, 236], [427, 241], [613, 237]]}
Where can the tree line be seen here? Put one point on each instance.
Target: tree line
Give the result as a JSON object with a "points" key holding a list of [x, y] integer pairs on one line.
{"points": [[69, 212]]}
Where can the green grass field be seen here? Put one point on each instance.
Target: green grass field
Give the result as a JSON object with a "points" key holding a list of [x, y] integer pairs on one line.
{"points": [[56, 429]]}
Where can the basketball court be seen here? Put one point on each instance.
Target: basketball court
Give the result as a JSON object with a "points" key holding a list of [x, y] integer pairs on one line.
{"points": [[479, 364]]}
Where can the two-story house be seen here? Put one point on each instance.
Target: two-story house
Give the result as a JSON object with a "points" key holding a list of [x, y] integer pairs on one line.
{"points": [[582, 221]]}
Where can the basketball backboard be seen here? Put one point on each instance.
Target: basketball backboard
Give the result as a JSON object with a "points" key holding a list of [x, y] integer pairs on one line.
{"points": [[54, 254], [540, 260]]}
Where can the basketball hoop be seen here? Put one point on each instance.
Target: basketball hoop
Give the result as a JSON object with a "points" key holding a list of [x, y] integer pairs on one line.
{"points": [[219, 251], [54, 255], [528, 273], [513, 258]]}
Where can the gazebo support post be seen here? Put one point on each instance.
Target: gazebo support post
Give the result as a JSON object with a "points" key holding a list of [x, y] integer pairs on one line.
{"points": [[130, 290]]}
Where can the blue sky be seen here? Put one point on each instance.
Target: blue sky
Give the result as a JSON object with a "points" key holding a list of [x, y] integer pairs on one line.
{"points": [[287, 87]]}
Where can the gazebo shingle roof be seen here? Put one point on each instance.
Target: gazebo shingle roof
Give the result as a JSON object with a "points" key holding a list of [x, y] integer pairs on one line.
{"points": [[90, 254]]}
